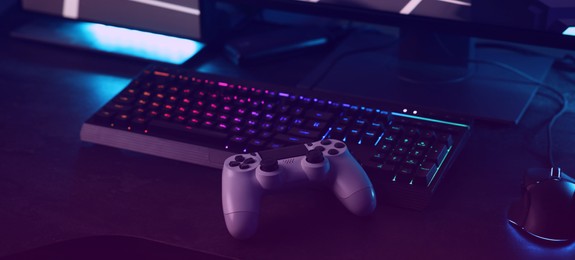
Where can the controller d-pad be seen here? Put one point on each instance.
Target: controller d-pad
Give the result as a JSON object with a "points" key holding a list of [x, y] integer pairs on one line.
{"points": [[333, 152], [269, 165], [314, 156]]}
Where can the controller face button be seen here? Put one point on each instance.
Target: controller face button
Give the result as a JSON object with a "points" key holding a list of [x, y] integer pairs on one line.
{"points": [[249, 161], [239, 158], [333, 152], [325, 142], [269, 165], [314, 156], [339, 145], [320, 148], [309, 144], [234, 164], [244, 166]]}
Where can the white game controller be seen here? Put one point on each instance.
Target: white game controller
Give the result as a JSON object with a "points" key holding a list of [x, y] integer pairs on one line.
{"points": [[246, 177]]}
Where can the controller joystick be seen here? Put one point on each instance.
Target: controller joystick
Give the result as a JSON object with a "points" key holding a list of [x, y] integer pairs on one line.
{"points": [[248, 177], [269, 175], [269, 165], [315, 166], [314, 156]]}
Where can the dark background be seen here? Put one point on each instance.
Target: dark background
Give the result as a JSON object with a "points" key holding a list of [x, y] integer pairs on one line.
{"points": [[54, 188]]}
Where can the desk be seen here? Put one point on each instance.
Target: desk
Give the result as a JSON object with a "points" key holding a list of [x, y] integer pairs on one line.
{"points": [[53, 187]]}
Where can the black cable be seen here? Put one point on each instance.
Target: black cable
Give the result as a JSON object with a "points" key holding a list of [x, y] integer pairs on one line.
{"points": [[470, 73], [564, 108], [441, 43], [338, 59], [564, 103]]}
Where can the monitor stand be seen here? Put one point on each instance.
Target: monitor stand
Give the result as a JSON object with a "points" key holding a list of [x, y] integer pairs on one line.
{"points": [[366, 65]]}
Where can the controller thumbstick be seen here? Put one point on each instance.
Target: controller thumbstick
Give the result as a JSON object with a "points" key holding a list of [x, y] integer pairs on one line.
{"points": [[314, 156], [269, 165]]}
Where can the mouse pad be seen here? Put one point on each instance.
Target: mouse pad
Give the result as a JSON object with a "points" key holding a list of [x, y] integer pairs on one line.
{"points": [[112, 247]]}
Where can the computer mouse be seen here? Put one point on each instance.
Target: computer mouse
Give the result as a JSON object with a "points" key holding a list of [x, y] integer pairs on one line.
{"points": [[546, 209]]}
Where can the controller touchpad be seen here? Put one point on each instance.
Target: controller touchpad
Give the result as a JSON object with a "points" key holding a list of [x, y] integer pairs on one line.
{"points": [[283, 153]]}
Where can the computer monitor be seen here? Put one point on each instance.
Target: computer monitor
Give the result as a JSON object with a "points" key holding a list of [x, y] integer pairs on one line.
{"points": [[170, 31], [437, 63]]}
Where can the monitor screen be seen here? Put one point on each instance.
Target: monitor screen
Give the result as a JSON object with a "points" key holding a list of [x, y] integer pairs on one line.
{"points": [[547, 22]]}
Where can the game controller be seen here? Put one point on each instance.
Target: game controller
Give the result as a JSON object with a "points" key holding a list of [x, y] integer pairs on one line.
{"points": [[247, 177]]}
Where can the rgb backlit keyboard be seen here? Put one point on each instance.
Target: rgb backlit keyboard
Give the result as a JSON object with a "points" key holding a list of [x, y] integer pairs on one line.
{"points": [[203, 119]]}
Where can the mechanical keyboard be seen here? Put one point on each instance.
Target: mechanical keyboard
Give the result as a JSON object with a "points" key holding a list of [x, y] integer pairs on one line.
{"points": [[203, 119]]}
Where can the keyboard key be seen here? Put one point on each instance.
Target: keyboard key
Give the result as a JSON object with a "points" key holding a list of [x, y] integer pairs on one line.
{"points": [[290, 139], [256, 145], [338, 132], [122, 120], [404, 174], [310, 134], [369, 138], [378, 157], [380, 169], [424, 174], [237, 143], [437, 153], [429, 134], [354, 135], [297, 122], [138, 124], [319, 115], [103, 117], [446, 138]]}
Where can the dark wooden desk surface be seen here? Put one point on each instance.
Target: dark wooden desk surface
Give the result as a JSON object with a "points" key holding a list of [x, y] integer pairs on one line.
{"points": [[53, 187]]}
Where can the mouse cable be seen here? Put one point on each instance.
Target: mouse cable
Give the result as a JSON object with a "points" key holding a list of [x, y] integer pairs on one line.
{"points": [[563, 101], [564, 108]]}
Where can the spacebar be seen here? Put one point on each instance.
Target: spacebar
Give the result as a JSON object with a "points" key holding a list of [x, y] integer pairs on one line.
{"points": [[185, 133]]}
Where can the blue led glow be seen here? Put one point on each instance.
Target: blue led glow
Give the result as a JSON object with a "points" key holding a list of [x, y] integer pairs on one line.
{"points": [[439, 166], [140, 44], [429, 119], [378, 139], [521, 242], [103, 87], [326, 134], [570, 31]]}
